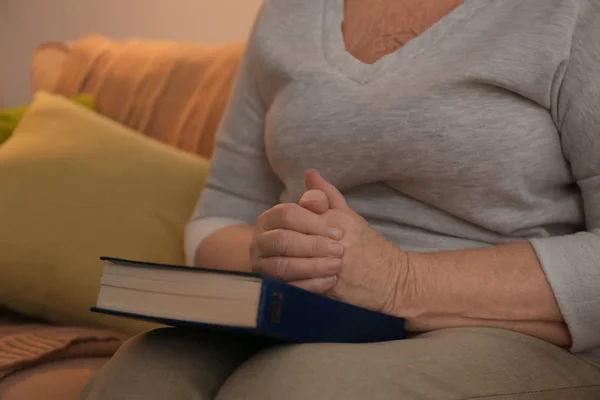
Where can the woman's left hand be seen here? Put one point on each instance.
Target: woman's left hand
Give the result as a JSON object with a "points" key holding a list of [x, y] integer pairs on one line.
{"points": [[374, 271]]}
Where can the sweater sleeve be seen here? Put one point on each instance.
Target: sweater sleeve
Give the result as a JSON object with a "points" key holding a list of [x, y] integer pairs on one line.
{"points": [[572, 263], [241, 184]]}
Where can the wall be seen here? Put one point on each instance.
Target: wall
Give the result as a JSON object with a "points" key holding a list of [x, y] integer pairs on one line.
{"points": [[2, 49], [31, 22]]}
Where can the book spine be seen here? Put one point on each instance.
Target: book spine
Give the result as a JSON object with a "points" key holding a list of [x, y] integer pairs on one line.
{"points": [[271, 303], [296, 315]]}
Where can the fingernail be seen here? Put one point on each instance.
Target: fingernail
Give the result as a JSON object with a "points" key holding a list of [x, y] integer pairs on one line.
{"points": [[334, 233], [309, 196], [336, 249], [332, 266]]}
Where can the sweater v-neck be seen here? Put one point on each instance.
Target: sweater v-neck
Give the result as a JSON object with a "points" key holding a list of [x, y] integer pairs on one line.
{"points": [[339, 58]]}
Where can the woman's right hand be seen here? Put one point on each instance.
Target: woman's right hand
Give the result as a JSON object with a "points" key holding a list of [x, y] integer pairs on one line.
{"points": [[295, 245]]}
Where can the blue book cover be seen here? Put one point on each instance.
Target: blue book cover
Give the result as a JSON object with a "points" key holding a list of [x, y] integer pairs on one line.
{"points": [[288, 313]]}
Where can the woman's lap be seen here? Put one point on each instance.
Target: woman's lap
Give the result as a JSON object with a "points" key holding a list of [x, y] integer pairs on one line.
{"points": [[454, 364], [170, 364]]}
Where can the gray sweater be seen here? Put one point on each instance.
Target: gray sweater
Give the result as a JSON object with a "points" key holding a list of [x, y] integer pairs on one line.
{"points": [[483, 130]]}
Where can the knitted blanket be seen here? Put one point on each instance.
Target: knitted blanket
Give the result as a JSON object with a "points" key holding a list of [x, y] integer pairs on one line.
{"points": [[26, 344]]}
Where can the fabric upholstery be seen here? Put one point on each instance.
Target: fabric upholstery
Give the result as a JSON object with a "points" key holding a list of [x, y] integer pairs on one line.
{"points": [[173, 92]]}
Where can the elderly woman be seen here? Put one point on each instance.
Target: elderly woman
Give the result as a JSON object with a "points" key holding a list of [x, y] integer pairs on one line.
{"points": [[459, 147]]}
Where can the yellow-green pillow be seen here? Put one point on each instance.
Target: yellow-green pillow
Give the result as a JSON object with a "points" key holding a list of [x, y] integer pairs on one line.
{"points": [[76, 186], [10, 117]]}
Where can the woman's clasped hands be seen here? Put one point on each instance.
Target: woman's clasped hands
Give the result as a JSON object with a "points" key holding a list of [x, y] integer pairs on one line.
{"points": [[323, 246]]}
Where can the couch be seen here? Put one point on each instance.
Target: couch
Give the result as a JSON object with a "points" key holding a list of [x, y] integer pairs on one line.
{"points": [[121, 179]]}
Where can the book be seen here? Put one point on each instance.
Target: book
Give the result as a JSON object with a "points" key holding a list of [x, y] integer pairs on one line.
{"points": [[235, 301]]}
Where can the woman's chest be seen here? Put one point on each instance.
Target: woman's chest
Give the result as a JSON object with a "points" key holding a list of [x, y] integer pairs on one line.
{"points": [[418, 136]]}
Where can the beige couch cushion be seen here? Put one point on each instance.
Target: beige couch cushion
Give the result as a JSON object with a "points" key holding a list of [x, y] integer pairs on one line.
{"points": [[171, 91]]}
